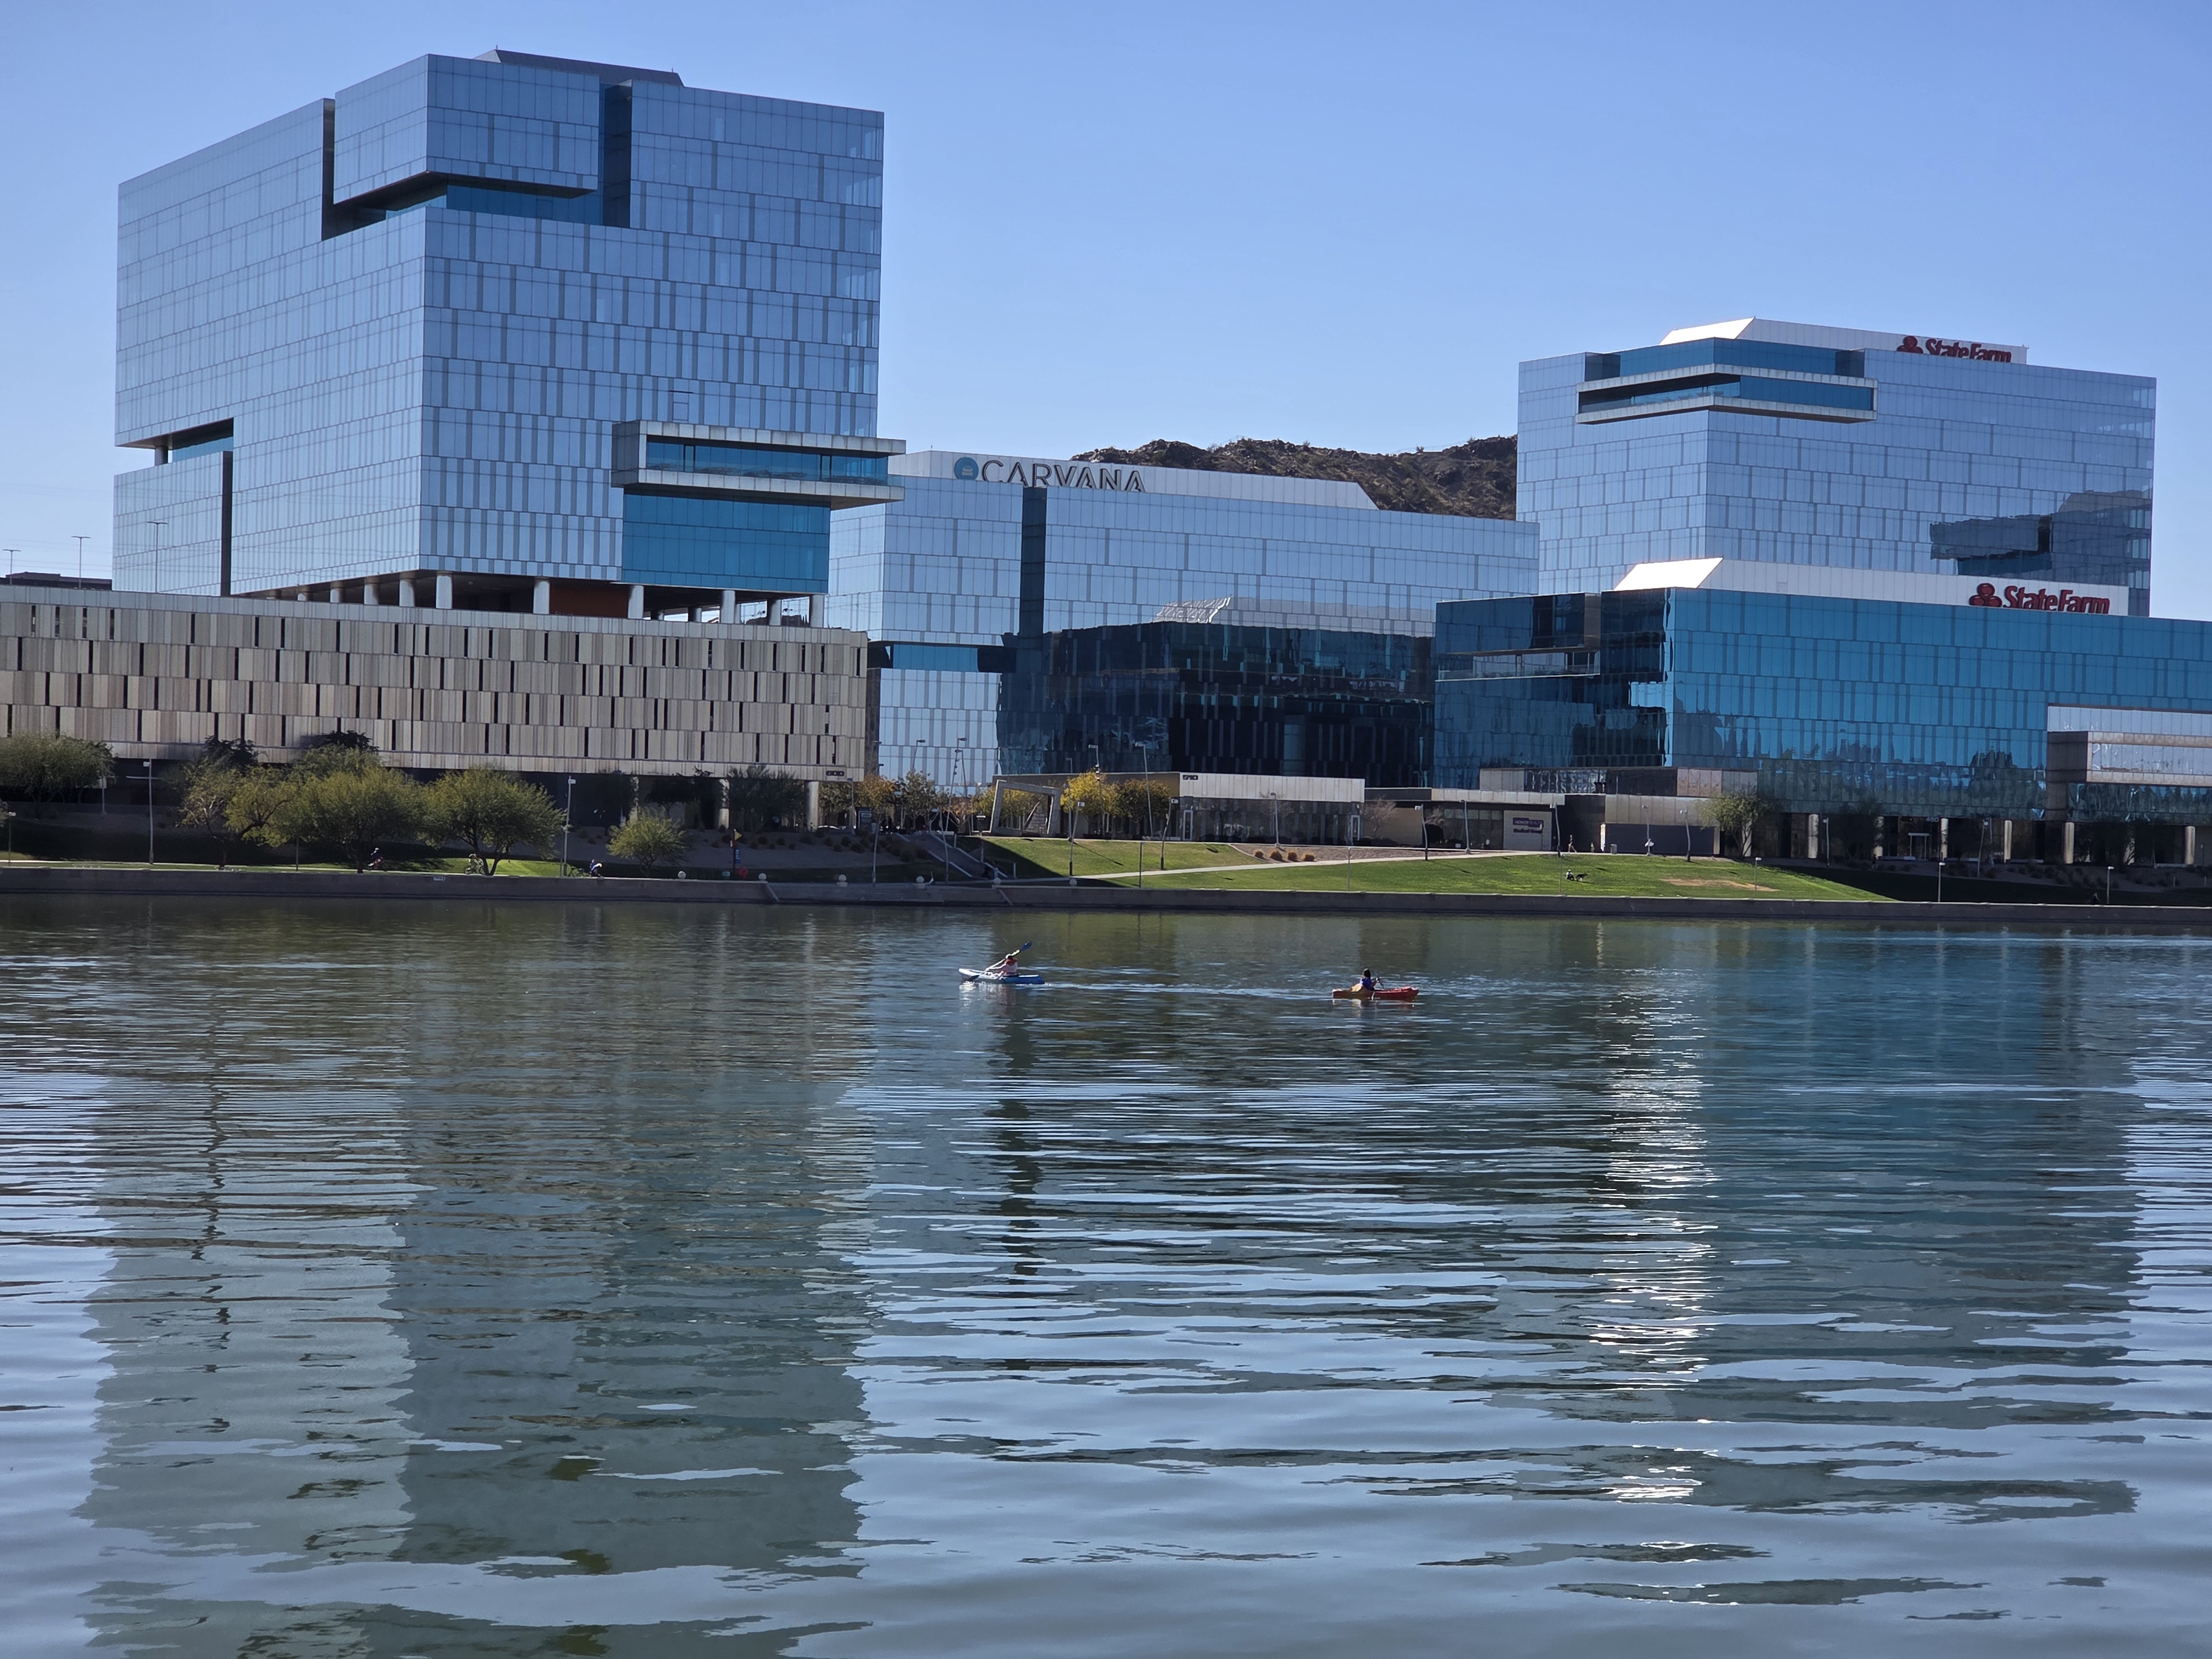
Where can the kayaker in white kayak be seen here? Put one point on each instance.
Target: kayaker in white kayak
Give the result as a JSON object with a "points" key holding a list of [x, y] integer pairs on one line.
{"points": [[1005, 964]]}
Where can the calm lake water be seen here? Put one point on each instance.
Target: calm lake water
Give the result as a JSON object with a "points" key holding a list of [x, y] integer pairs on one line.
{"points": [[532, 1280]]}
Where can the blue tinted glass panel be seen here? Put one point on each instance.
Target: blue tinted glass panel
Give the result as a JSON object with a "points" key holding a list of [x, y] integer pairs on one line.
{"points": [[524, 203], [956, 659], [1815, 393], [733, 460], [681, 541], [1735, 354], [1803, 391], [206, 447]]}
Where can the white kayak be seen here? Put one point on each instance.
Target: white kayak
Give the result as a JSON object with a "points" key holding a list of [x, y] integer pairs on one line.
{"points": [[987, 976]]}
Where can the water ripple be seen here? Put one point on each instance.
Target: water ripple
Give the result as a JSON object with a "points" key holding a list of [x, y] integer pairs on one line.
{"points": [[486, 1280]]}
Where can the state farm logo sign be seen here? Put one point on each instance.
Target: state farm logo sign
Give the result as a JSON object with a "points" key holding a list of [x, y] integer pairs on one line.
{"points": [[1930, 346], [2040, 599]]}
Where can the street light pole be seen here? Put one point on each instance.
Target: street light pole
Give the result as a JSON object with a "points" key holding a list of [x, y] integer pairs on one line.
{"points": [[149, 815], [1146, 749], [569, 819]]}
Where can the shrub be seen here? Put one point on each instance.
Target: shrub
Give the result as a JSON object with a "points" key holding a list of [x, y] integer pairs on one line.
{"points": [[341, 743], [915, 798], [353, 804], [1737, 813], [1143, 804], [490, 811], [46, 765], [760, 794], [336, 752], [1088, 793], [254, 805], [648, 839], [1015, 808], [207, 787]]}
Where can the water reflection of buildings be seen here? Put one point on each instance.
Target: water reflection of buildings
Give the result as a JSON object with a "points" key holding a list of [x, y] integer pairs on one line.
{"points": [[1681, 1160], [252, 1402], [553, 1308], [1627, 1173], [1825, 1157]]}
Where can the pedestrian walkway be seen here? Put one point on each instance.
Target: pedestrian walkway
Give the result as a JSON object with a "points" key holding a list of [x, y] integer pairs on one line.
{"points": [[1321, 860]]}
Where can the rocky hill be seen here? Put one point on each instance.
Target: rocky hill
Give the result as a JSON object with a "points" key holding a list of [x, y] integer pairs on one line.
{"points": [[1473, 480]]}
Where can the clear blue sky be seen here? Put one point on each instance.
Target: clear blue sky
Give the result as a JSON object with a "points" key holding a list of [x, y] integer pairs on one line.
{"points": [[1338, 224]]}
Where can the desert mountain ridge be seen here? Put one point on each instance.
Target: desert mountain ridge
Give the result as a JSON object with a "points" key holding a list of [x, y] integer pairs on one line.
{"points": [[1470, 480]]}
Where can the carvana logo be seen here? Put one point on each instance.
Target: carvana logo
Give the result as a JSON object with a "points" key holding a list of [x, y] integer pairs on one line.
{"points": [[964, 468]]}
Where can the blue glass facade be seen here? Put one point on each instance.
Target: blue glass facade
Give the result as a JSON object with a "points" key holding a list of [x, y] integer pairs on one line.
{"points": [[1837, 705], [422, 308], [678, 541], [1872, 453], [974, 560], [1213, 697]]}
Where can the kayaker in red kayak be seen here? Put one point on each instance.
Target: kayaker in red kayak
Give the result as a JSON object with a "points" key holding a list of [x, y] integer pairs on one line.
{"points": [[1368, 991]]}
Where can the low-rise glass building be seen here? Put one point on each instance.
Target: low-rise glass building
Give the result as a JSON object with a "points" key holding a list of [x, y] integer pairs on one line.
{"points": [[987, 552], [1220, 697], [1998, 728]]}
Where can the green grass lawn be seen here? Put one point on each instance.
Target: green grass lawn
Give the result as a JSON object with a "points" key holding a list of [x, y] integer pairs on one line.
{"points": [[1601, 876], [1042, 856]]}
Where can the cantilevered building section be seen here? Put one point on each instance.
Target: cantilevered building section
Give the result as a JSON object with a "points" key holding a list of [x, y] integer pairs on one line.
{"points": [[511, 333]]}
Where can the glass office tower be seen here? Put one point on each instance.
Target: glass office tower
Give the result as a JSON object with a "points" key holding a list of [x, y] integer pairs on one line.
{"points": [[1804, 445], [516, 332]]}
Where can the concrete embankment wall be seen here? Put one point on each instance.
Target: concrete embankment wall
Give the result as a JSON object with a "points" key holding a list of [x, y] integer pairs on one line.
{"points": [[268, 885]]}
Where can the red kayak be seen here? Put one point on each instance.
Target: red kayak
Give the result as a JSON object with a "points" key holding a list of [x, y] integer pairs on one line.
{"points": [[1380, 993]]}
